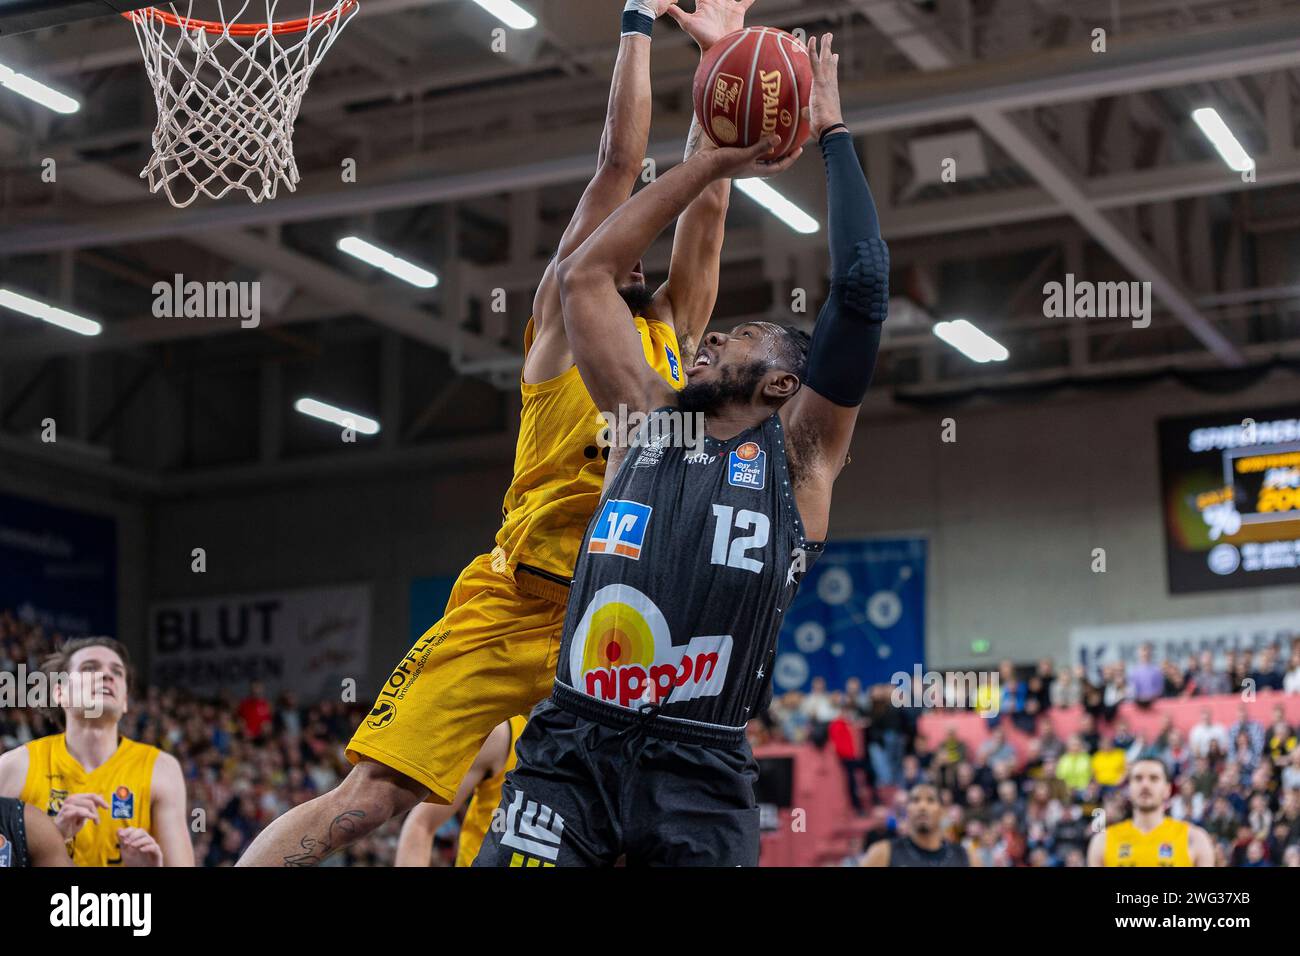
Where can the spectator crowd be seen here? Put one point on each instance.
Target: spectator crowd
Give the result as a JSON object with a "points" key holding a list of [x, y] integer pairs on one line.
{"points": [[1034, 805], [249, 758]]}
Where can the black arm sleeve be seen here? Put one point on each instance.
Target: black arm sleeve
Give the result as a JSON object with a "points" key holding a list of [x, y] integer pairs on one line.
{"points": [[842, 356]]}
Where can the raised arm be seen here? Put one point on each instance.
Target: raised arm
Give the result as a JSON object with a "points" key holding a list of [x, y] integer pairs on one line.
{"points": [[605, 343], [842, 355], [687, 298], [618, 163]]}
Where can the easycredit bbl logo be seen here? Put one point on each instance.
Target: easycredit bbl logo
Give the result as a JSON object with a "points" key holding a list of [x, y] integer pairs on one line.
{"points": [[622, 653]]}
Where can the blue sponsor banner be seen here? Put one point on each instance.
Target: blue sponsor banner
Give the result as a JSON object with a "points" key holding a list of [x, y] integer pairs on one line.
{"points": [[58, 567], [860, 612], [428, 599]]}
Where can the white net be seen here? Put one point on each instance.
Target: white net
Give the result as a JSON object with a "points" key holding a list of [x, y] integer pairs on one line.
{"points": [[228, 91]]}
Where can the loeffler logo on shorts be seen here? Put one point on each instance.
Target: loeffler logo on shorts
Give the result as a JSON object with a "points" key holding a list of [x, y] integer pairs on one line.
{"points": [[622, 653]]}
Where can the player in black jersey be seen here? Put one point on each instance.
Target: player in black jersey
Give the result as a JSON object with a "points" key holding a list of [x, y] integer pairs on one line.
{"points": [[697, 547], [923, 845], [28, 837]]}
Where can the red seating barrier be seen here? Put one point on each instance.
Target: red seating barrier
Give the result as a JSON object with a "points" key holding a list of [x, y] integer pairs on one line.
{"points": [[1185, 711]]}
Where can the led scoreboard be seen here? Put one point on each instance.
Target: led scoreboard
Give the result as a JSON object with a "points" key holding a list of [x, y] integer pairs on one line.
{"points": [[1231, 488]]}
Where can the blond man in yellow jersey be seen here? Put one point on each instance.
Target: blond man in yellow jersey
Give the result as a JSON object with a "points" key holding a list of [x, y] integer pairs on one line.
{"points": [[116, 802], [1149, 838], [481, 788], [493, 654]]}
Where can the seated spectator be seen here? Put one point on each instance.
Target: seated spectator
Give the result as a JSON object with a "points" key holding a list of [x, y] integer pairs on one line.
{"points": [[1281, 738], [1267, 674], [255, 711], [855, 697], [1115, 691], [1088, 733], [1075, 766], [1238, 671], [976, 806], [1067, 689], [1291, 682], [1205, 733], [1047, 677], [1187, 804], [1025, 718], [1092, 694], [1145, 680], [1176, 683], [1008, 800], [1205, 679], [996, 749], [1242, 752], [1050, 746], [950, 753], [1108, 764], [1177, 754], [846, 735], [1252, 729]]}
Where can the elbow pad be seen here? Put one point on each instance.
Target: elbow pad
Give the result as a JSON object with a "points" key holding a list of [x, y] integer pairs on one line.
{"points": [[865, 288], [846, 339]]}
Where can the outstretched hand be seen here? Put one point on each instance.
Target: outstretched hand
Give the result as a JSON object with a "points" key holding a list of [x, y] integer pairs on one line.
{"points": [[824, 104], [757, 160], [711, 20]]}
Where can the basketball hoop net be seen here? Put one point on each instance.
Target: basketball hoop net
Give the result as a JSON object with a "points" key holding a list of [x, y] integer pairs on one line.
{"points": [[228, 93]]}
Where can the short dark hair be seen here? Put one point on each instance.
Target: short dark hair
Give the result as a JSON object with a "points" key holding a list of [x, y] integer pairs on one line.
{"points": [[792, 351], [1152, 758]]}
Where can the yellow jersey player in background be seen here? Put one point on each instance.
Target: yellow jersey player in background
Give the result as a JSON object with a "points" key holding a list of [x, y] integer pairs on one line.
{"points": [[493, 653], [481, 787], [116, 802], [1149, 838]]}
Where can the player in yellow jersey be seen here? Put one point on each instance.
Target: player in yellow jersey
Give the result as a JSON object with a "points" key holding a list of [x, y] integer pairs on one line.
{"points": [[1149, 838], [116, 802], [493, 653], [481, 787]]}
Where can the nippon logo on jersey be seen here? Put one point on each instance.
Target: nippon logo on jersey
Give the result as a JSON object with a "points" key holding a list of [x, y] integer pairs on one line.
{"points": [[622, 653], [620, 529], [6, 853], [123, 804], [747, 467], [672, 363]]}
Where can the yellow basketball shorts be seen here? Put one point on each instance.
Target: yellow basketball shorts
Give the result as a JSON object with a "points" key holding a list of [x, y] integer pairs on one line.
{"points": [[492, 656]]}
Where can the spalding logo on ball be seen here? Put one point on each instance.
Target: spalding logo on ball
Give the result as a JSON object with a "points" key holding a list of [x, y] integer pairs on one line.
{"points": [[753, 83]]}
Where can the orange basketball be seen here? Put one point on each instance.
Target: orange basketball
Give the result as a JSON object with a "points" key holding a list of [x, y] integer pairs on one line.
{"points": [[752, 83]]}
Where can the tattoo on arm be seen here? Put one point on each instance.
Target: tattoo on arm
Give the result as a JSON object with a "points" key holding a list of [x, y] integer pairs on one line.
{"points": [[315, 851]]}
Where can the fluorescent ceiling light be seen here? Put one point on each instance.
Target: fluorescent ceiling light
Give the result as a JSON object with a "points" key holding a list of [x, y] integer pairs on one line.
{"points": [[34, 90], [403, 269], [337, 416], [1217, 132], [771, 200], [48, 313], [509, 13], [970, 341]]}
